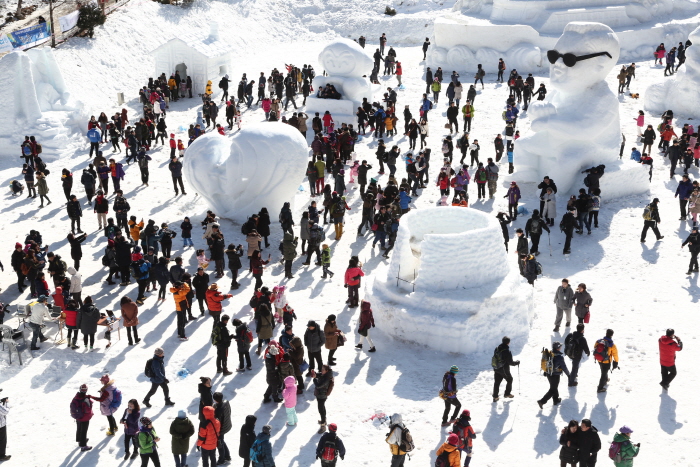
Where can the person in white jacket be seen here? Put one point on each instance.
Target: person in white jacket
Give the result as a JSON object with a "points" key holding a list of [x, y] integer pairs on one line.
{"points": [[76, 285], [39, 311], [396, 428], [4, 410]]}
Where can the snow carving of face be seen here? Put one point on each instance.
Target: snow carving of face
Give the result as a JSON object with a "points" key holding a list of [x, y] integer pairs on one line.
{"points": [[344, 58], [261, 166], [580, 39]]}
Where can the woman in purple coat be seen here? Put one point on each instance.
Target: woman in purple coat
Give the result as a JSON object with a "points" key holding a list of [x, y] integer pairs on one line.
{"points": [[130, 420], [513, 196]]}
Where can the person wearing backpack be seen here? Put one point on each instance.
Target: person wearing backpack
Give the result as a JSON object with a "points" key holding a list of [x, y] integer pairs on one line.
{"points": [[622, 451], [181, 430], [501, 362], [448, 455], [463, 429], [323, 387], [533, 229], [669, 344], [396, 441], [243, 341], [605, 353], [330, 447], [148, 443], [588, 444], [651, 220], [564, 301], [221, 339], [449, 395], [558, 367], [530, 269], [261, 449], [155, 371], [110, 399], [583, 301], [693, 242], [574, 347], [208, 436], [81, 411]]}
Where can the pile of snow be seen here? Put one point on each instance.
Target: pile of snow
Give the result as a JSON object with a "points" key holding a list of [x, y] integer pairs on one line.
{"points": [[260, 166], [36, 101], [679, 93], [466, 295]]}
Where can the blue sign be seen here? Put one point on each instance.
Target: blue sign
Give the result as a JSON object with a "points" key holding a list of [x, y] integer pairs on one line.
{"points": [[30, 36]]}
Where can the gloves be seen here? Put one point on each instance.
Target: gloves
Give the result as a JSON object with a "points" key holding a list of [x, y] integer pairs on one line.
{"points": [[167, 381], [517, 362], [614, 365], [197, 448], [342, 458], [374, 326], [317, 456]]}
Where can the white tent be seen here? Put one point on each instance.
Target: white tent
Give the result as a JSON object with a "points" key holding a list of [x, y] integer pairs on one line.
{"points": [[201, 58]]}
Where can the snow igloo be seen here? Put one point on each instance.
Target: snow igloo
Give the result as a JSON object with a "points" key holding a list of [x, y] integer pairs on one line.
{"points": [[450, 285]]}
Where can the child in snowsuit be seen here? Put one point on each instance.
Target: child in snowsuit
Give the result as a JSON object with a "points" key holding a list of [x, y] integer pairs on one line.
{"points": [[326, 261], [289, 393]]}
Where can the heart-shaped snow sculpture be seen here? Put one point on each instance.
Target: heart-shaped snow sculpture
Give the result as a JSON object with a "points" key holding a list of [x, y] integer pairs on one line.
{"points": [[260, 166]]}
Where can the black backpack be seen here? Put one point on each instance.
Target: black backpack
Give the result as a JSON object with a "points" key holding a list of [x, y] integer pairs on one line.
{"points": [[443, 460], [570, 346], [148, 371]]}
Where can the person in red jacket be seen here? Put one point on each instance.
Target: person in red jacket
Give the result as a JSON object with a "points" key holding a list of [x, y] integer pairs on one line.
{"points": [[366, 322], [173, 145], [71, 313], [668, 346], [214, 299], [666, 136], [81, 411], [352, 282], [209, 430]]}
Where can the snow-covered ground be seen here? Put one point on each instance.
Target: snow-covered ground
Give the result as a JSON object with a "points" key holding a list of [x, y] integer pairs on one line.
{"points": [[639, 290]]}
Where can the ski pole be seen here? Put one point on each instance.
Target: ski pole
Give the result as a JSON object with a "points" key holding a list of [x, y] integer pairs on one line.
{"points": [[549, 240]]}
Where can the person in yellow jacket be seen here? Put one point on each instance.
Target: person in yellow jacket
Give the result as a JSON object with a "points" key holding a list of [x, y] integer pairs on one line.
{"points": [[467, 114], [134, 228], [396, 427], [436, 87], [180, 291], [605, 352], [208, 92], [450, 448], [389, 125]]}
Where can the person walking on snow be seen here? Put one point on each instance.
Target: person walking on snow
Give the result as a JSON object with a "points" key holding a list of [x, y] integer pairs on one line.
{"points": [[627, 450], [158, 379], [651, 220], [366, 322], [395, 440], [605, 353], [501, 369], [463, 429], [669, 344], [574, 346], [330, 447], [564, 301], [148, 443], [449, 395], [110, 399], [449, 451], [693, 242], [181, 430], [558, 366]]}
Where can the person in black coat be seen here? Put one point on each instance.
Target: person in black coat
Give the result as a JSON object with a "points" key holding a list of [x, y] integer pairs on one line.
{"points": [[521, 249], [234, 263], [567, 225], [75, 212], [588, 444], [200, 282], [264, 225], [504, 219], [76, 250], [546, 183], [186, 232], [580, 345], [216, 243], [533, 227], [247, 439], [503, 372], [569, 439], [206, 398], [123, 250], [272, 376]]}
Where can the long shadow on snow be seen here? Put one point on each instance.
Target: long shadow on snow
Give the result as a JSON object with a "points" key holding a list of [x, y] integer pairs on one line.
{"points": [[604, 418], [546, 440], [667, 414], [493, 433]]}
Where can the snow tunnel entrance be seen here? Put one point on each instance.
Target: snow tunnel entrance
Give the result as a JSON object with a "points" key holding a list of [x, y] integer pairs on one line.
{"points": [[182, 68]]}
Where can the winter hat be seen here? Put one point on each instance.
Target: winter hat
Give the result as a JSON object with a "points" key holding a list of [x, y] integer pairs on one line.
{"points": [[172, 135], [288, 327], [454, 369], [145, 421], [181, 414], [158, 351], [331, 317], [513, 183], [274, 350], [267, 429], [137, 249], [110, 242], [18, 245], [626, 430], [83, 388], [104, 379], [333, 427], [656, 200], [453, 439], [341, 172], [556, 345], [466, 412]]}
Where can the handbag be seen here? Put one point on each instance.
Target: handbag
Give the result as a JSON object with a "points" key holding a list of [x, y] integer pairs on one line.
{"points": [[375, 226], [341, 339], [587, 318], [303, 366], [447, 126]]}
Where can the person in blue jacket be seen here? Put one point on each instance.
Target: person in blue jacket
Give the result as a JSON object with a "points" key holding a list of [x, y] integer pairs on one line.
{"points": [[404, 199], [636, 155], [684, 190], [558, 367], [330, 445], [425, 107], [158, 378], [95, 136]]}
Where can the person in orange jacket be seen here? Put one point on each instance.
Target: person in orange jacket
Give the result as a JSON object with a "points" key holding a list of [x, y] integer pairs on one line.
{"points": [[180, 291], [209, 432], [450, 450], [214, 299]]}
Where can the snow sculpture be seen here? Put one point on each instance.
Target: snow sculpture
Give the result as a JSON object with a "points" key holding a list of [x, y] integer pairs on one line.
{"points": [[346, 63], [260, 166], [467, 294], [578, 124], [680, 93], [35, 101]]}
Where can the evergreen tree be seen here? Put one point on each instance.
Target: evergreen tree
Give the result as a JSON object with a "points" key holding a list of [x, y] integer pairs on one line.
{"points": [[90, 16]]}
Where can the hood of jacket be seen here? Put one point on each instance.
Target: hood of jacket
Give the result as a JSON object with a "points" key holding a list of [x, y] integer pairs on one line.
{"points": [[289, 381], [396, 419], [71, 271], [366, 306], [250, 421], [208, 413], [666, 340], [448, 447]]}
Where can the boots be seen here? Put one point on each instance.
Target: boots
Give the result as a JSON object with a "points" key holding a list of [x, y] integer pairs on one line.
{"points": [[510, 168], [358, 346], [74, 344]]}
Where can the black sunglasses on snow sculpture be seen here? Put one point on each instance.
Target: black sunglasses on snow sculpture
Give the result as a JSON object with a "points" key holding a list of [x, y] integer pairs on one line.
{"points": [[571, 59]]}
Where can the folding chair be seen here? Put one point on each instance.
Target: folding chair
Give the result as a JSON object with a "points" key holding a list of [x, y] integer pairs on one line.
{"points": [[22, 315], [8, 338]]}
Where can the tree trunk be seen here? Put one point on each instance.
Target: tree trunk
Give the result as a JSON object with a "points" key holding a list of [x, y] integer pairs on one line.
{"points": [[18, 13]]}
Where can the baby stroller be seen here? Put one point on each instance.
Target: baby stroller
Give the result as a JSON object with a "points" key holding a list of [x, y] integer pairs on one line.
{"points": [[16, 187]]}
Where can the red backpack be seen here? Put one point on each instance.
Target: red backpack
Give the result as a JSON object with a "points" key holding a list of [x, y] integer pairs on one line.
{"points": [[600, 352], [329, 452]]}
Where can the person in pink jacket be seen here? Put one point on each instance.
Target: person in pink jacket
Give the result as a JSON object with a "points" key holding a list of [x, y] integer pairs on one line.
{"points": [[289, 393], [266, 105], [354, 171], [640, 123], [353, 276]]}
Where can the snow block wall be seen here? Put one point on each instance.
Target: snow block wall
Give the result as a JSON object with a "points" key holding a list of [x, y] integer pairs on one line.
{"points": [[681, 92], [35, 101], [262, 165], [466, 294]]}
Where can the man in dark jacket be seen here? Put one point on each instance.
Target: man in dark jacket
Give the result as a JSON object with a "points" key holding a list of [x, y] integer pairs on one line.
{"points": [[222, 412], [242, 344], [330, 440], [594, 174], [674, 154], [223, 342], [362, 176], [176, 271], [558, 367], [75, 212], [200, 282], [158, 378], [693, 242], [272, 376], [123, 258], [452, 113], [314, 338], [651, 219], [546, 183], [175, 168], [286, 218], [534, 227], [247, 438], [521, 249], [567, 225], [684, 190], [588, 444], [289, 251], [576, 345], [505, 361]]}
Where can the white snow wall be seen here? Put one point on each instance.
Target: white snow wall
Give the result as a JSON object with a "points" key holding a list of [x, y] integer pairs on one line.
{"points": [[262, 165]]}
